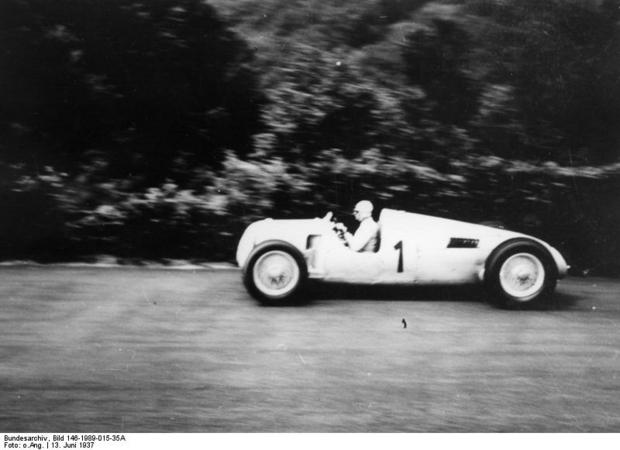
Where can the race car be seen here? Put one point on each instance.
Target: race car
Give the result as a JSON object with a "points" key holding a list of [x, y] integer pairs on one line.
{"points": [[279, 257]]}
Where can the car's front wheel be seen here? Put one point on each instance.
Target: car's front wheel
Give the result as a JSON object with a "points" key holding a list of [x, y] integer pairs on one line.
{"points": [[520, 274], [275, 274]]}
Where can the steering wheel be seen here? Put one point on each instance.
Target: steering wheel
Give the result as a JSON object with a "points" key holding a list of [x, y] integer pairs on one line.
{"points": [[337, 227]]}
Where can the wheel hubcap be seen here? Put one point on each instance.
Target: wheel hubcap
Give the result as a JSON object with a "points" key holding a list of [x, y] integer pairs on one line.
{"points": [[276, 273], [522, 276]]}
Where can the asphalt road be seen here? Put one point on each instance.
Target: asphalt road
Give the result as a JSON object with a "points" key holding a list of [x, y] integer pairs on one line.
{"points": [[143, 350]]}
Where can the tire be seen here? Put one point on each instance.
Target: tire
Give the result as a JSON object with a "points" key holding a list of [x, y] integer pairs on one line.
{"points": [[276, 274], [520, 273]]}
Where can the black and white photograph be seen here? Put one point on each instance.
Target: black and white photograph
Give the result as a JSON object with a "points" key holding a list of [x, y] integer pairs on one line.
{"points": [[308, 216]]}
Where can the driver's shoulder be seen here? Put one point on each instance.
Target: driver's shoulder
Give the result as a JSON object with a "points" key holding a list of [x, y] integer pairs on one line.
{"points": [[369, 224]]}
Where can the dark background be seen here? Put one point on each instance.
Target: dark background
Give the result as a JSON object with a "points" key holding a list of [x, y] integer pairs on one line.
{"points": [[161, 129]]}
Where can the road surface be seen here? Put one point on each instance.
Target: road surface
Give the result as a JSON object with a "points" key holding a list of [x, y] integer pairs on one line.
{"points": [[144, 350]]}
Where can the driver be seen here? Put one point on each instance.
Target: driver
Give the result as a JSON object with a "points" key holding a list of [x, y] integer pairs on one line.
{"points": [[366, 236]]}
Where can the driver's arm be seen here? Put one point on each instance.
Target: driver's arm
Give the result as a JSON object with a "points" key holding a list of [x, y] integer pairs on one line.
{"points": [[364, 233]]}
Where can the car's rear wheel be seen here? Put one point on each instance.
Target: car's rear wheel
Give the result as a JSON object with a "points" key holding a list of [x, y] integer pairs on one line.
{"points": [[520, 274], [276, 274]]}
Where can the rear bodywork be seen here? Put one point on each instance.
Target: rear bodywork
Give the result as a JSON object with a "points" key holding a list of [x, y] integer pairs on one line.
{"points": [[414, 249]]}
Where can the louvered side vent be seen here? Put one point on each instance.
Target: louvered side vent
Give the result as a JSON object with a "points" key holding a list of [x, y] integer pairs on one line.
{"points": [[463, 243]]}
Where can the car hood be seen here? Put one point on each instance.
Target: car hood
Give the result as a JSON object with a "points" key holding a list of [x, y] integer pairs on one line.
{"points": [[292, 231]]}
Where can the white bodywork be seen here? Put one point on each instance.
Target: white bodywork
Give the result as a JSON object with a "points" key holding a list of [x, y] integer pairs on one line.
{"points": [[414, 249]]}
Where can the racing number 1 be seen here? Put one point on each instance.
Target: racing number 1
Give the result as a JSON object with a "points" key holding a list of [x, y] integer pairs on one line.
{"points": [[399, 246]]}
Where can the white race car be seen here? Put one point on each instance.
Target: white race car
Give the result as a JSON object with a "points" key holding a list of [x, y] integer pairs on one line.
{"points": [[278, 257]]}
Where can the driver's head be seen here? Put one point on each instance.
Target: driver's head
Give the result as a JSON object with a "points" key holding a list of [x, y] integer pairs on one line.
{"points": [[362, 210]]}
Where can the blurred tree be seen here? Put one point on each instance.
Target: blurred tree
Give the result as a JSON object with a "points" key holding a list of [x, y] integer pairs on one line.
{"points": [[327, 24], [436, 59], [148, 129], [142, 87], [317, 102], [559, 61]]}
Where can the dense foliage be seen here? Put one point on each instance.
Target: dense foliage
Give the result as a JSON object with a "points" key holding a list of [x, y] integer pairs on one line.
{"points": [[161, 129]]}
